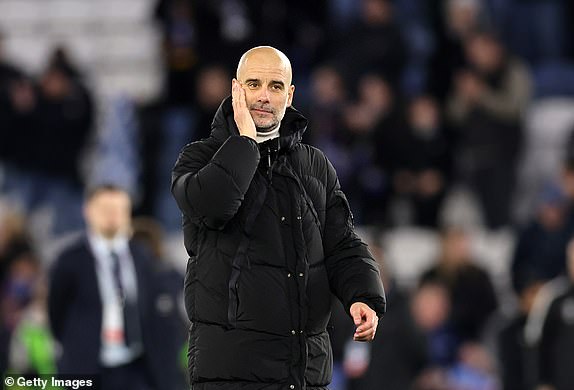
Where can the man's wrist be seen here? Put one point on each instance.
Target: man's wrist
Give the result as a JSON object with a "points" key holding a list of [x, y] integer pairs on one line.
{"points": [[251, 136]]}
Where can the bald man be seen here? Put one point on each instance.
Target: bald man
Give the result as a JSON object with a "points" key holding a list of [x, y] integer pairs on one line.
{"points": [[270, 236]]}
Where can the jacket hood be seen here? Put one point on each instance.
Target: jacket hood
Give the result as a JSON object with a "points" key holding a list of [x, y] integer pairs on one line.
{"points": [[291, 128]]}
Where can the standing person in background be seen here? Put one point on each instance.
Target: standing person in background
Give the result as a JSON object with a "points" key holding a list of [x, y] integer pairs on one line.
{"points": [[540, 252], [471, 293], [269, 234], [452, 22], [555, 346], [100, 301], [49, 130], [15, 245], [370, 122], [486, 107], [516, 357], [178, 21], [374, 45], [32, 347], [418, 159]]}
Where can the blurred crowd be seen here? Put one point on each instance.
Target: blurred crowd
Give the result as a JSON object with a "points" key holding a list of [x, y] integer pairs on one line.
{"points": [[414, 102]]}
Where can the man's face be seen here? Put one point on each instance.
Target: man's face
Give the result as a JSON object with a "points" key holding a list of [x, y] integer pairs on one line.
{"points": [[423, 114], [266, 80], [484, 53], [108, 213]]}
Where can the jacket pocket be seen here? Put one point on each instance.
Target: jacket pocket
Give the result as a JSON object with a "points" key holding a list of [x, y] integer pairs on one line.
{"points": [[319, 360], [233, 305]]}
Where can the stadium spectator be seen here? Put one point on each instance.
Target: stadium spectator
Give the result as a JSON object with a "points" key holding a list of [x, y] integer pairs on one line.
{"points": [[370, 121], [540, 252], [17, 112], [374, 45], [516, 357], [328, 98], [14, 241], [418, 159], [471, 293], [14, 246], [474, 369], [65, 119], [178, 20], [486, 106], [16, 294], [48, 132], [453, 363], [32, 347], [555, 345], [431, 310], [452, 22]]}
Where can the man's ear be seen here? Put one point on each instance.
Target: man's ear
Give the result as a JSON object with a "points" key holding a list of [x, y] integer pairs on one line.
{"points": [[290, 97]]}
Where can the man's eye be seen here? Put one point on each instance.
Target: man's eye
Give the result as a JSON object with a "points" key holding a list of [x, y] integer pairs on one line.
{"points": [[252, 85], [276, 87]]}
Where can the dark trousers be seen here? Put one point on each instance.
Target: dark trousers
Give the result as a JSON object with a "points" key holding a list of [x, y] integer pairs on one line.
{"points": [[131, 376]]}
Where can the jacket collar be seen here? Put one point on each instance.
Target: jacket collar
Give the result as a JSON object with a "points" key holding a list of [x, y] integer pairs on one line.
{"points": [[291, 129]]}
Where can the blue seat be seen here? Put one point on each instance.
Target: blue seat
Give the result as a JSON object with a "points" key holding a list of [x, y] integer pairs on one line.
{"points": [[554, 78], [536, 30]]}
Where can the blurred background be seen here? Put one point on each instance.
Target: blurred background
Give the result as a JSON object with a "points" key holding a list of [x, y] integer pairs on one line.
{"points": [[450, 124]]}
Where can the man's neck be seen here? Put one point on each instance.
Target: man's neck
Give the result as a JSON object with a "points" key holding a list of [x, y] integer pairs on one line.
{"points": [[119, 240], [266, 136]]}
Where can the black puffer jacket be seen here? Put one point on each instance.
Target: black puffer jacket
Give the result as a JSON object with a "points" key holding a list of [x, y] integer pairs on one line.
{"points": [[270, 236]]}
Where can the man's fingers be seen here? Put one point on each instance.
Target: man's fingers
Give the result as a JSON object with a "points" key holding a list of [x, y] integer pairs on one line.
{"points": [[234, 93], [242, 97], [357, 318], [241, 113], [364, 326], [367, 335], [364, 329], [370, 321], [367, 325], [238, 95], [366, 321]]}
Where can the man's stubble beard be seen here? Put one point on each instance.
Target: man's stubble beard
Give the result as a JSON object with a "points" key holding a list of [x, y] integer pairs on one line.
{"points": [[267, 129], [275, 121]]}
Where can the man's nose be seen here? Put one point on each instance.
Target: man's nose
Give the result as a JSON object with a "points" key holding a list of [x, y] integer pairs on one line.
{"points": [[263, 95]]}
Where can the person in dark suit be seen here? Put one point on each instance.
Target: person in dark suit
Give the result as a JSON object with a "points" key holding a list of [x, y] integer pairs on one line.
{"points": [[101, 301]]}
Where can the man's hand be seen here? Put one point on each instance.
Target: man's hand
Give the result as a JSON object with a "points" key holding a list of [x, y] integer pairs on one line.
{"points": [[366, 321], [469, 86], [241, 113]]}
